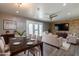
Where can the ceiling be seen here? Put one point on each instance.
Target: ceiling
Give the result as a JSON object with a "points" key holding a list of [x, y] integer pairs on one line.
{"points": [[41, 11]]}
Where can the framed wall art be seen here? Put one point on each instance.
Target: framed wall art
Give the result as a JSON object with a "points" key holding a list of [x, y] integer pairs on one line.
{"points": [[9, 25]]}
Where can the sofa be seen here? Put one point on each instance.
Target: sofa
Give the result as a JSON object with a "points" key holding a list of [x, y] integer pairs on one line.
{"points": [[52, 40]]}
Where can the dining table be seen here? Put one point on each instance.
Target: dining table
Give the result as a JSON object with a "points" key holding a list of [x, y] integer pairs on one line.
{"points": [[18, 45]]}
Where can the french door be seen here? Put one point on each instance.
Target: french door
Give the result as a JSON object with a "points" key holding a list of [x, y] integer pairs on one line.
{"points": [[35, 28]]}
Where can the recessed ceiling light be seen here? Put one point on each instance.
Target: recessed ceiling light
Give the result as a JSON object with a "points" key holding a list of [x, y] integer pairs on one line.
{"points": [[64, 4], [68, 13], [17, 11]]}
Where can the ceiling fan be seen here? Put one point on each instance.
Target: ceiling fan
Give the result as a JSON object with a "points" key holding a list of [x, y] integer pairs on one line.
{"points": [[53, 15]]}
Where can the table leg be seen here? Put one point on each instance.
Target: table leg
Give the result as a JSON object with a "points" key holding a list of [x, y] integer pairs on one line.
{"points": [[41, 47]]}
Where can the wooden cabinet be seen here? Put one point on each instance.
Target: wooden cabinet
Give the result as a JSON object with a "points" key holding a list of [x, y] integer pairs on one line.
{"points": [[7, 37]]}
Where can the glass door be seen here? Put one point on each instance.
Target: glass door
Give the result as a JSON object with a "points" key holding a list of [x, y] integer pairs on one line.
{"points": [[40, 29], [36, 29], [30, 28]]}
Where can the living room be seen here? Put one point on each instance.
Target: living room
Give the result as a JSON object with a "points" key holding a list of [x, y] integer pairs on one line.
{"points": [[56, 24]]}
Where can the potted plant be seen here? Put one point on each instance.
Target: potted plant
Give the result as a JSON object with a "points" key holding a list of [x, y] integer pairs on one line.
{"points": [[20, 33]]}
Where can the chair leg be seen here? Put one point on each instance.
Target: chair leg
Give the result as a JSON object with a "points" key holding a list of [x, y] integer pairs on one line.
{"points": [[34, 54], [39, 53], [28, 53], [24, 52]]}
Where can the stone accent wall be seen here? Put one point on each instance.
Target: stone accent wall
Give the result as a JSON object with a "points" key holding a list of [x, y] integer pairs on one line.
{"points": [[73, 26]]}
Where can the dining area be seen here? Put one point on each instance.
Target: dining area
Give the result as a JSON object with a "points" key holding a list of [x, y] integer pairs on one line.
{"points": [[32, 45], [15, 45]]}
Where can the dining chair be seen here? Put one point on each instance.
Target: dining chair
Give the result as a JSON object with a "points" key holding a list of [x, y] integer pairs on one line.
{"points": [[33, 37], [29, 36], [36, 50], [39, 38], [6, 45], [4, 50]]}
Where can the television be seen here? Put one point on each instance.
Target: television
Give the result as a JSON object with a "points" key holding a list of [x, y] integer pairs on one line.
{"points": [[62, 27]]}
